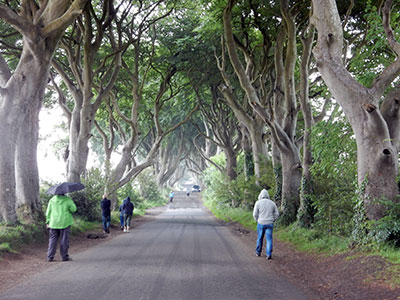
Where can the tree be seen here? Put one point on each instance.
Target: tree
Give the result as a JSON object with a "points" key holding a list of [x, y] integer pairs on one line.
{"points": [[281, 119], [225, 130], [170, 155], [89, 74], [41, 25], [376, 126]]}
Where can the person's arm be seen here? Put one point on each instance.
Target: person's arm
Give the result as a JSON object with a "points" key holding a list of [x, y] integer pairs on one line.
{"points": [[255, 212], [72, 207], [48, 213], [276, 212]]}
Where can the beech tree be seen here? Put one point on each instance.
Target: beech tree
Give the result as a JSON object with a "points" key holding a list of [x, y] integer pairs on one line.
{"points": [[225, 130], [373, 111], [170, 155], [281, 117], [41, 25], [89, 75]]}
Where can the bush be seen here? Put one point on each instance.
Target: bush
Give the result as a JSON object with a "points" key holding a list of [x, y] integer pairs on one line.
{"points": [[143, 191], [240, 192], [385, 230], [13, 237], [334, 174]]}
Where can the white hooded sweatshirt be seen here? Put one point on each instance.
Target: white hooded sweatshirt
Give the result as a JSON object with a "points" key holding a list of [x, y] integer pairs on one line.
{"points": [[265, 211]]}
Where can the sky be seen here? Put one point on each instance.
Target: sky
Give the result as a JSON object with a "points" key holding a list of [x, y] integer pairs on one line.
{"points": [[50, 167]]}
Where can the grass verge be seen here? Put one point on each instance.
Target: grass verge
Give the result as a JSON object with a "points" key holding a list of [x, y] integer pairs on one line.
{"points": [[13, 238], [313, 241]]}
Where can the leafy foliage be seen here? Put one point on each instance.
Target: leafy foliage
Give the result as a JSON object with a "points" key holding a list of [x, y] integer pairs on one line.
{"points": [[240, 192], [334, 172], [372, 53], [144, 191]]}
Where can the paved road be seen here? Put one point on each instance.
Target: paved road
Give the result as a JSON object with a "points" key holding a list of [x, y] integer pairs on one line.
{"points": [[183, 254]]}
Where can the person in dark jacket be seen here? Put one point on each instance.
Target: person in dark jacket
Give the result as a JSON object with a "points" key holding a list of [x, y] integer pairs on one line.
{"points": [[106, 213], [121, 215], [128, 208]]}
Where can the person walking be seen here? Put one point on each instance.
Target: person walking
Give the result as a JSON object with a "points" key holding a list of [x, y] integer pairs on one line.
{"points": [[121, 215], [105, 205], [59, 220], [265, 213], [171, 196], [128, 208]]}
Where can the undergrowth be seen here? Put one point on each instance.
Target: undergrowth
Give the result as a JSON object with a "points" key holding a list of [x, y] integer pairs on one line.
{"points": [[310, 240]]}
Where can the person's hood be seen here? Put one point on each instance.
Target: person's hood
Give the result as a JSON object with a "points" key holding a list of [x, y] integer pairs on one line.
{"points": [[127, 199], [60, 198], [263, 194]]}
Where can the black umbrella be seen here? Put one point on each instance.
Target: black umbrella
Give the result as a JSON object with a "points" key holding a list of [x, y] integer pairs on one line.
{"points": [[65, 187]]}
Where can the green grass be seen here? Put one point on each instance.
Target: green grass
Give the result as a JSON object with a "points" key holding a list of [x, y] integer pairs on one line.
{"points": [[13, 237], [391, 253], [229, 214], [309, 240], [5, 247], [316, 242], [81, 225]]}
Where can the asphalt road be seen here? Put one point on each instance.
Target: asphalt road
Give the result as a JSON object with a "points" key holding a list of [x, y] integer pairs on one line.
{"points": [[183, 254]]}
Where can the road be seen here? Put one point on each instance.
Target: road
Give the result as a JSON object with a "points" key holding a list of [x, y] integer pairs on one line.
{"points": [[183, 254]]}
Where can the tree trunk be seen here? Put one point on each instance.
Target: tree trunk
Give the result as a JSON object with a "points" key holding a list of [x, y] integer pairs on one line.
{"points": [[27, 177], [291, 178], [376, 154], [231, 163], [277, 164], [8, 135], [79, 135], [22, 93], [306, 211], [248, 157]]}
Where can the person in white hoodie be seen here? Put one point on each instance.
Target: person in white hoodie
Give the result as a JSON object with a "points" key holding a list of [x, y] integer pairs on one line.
{"points": [[265, 213]]}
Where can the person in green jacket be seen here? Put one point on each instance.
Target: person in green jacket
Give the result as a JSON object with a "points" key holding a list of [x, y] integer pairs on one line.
{"points": [[59, 220]]}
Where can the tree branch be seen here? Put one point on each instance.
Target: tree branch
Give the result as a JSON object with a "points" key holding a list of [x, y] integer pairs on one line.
{"points": [[19, 23], [61, 23], [5, 73], [382, 82]]}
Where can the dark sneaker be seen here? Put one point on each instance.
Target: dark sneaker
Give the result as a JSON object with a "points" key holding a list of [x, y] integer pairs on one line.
{"points": [[67, 259], [50, 259], [257, 254], [269, 256]]}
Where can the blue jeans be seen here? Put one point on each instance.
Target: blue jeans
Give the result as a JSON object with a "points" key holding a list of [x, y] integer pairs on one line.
{"points": [[106, 222], [267, 231], [121, 220]]}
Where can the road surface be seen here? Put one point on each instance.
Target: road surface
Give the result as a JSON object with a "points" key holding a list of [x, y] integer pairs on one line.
{"points": [[183, 254]]}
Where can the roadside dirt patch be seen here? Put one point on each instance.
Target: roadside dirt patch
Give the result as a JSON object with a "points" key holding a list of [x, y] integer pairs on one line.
{"points": [[340, 277]]}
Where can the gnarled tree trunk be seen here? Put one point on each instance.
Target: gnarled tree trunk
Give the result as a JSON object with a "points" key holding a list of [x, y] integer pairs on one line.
{"points": [[21, 94], [376, 133]]}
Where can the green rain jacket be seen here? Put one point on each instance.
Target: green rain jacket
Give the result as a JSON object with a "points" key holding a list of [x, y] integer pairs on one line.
{"points": [[59, 212]]}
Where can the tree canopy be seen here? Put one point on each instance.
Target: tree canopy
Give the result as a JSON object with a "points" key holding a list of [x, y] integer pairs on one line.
{"points": [[169, 84]]}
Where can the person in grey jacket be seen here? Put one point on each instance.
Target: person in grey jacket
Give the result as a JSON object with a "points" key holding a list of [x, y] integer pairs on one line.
{"points": [[265, 213]]}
